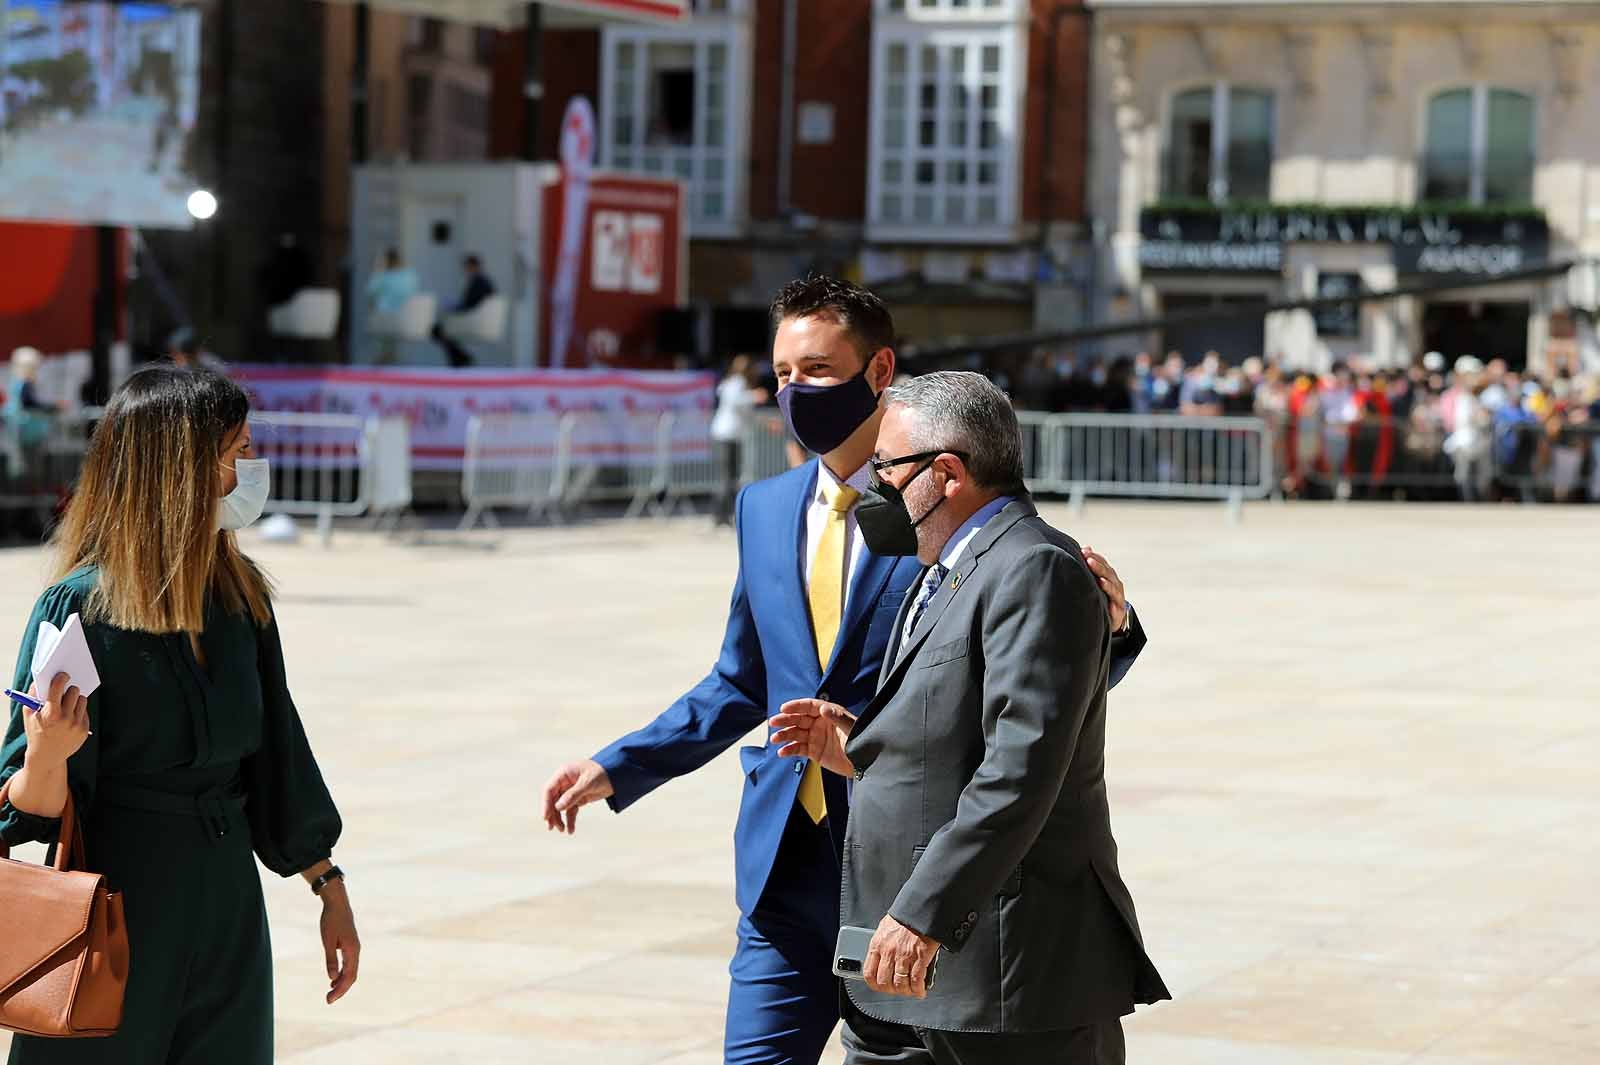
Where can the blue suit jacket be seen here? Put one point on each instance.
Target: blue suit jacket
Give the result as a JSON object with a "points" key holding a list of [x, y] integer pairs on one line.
{"points": [[769, 657]]}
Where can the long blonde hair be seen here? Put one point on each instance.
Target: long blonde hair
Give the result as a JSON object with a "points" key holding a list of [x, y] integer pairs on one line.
{"points": [[145, 509]]}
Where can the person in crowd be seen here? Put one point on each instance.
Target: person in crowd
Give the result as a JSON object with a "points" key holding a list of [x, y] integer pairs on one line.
{"points": [[28, 412], [1166, 389], [982, 757], [389, 288], [1470, 442], [1516, 441], [1143, 384], [737, 398], [185, 351], [813, 610], [286, 271], [476, 288], [190, 761], [1117, 393]]}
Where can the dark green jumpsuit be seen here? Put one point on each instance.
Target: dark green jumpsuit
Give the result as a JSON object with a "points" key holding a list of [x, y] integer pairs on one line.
{"points": [[190, 774]]}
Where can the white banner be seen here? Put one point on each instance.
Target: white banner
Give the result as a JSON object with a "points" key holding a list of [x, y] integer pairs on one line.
{"points": [[439, 403], [577, 167]]}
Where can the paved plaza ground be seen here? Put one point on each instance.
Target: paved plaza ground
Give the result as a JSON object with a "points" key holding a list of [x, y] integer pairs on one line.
{"points": [[1353, 779]]}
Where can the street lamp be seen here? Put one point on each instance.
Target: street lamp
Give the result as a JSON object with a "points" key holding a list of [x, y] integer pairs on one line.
{"points": [[202, 205]]}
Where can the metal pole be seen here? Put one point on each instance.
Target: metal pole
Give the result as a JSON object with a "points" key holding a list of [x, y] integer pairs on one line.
{"points": [[786, 116], [104, 313], [532, 81], [360, 79]]}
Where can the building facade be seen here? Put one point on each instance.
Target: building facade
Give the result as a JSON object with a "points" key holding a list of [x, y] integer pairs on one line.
{"points": [[1271, 151], [935, 149]]}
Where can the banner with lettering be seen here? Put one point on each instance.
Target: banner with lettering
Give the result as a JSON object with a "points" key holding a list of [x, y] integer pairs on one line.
{"points": [[438, 404]]}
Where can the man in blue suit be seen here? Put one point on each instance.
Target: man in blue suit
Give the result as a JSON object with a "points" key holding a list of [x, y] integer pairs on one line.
{"points": [[811, 617]]}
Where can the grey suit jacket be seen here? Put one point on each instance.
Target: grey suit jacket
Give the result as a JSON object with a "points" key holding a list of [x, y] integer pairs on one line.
{"points": [[979, 812]]}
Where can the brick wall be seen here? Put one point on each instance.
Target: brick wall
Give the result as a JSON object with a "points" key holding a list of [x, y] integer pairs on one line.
{"points": [[571, 67], [1060, 192]]}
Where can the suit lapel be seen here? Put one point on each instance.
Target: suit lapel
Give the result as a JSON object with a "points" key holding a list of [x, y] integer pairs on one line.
{"points": [[895, 666], [893, 651]]}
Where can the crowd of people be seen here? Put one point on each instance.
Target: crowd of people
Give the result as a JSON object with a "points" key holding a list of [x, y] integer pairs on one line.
{"points": [[1465, 429]]}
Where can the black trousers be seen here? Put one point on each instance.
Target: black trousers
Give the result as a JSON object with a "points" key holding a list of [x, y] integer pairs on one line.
{"points": [[868, 1041], [728, 455], [458, 355]]}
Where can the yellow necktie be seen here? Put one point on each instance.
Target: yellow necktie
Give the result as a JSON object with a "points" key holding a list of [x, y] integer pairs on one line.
{"points": [[827, 606]]}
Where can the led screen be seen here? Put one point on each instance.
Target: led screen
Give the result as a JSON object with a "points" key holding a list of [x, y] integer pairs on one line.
{"points": [[97, 112]]}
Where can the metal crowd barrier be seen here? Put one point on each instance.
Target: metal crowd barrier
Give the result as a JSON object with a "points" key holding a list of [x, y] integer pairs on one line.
{"points": [[1151, 456], [39, 468], [764, 452], [682, 466], [517, 460], [323, 465]]}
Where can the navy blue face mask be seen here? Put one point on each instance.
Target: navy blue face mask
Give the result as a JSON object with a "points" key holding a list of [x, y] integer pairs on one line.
{"points": [[822, 417]]}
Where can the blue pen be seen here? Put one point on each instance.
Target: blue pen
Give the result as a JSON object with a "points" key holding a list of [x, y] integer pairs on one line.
{"points": [[26, 700]]}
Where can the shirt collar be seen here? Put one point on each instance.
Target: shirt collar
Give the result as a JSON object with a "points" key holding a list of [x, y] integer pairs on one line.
{"points": [[861, 480], [970, 529]]}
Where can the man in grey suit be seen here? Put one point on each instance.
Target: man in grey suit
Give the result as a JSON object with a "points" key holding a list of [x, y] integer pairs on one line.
{"points": [[978, 824]]}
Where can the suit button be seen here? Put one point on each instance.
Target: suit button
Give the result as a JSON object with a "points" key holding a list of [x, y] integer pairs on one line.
{"points": [[961, 933], [972, 918], [860, 773], [824, 697]]}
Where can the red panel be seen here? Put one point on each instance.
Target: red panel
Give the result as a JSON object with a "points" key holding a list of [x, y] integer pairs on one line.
{"points": [[638, 223], [48, 290]]}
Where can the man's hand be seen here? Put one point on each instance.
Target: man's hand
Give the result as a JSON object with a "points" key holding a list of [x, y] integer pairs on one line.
{"points": [[574, 786], [1111, 584], [898, 959], [811, 728]]}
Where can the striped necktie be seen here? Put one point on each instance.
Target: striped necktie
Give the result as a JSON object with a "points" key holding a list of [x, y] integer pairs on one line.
{"points": [[827, 607], [930, 588]]}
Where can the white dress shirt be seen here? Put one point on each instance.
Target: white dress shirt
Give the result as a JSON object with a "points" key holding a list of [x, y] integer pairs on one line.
{"points": [[817, 519]]}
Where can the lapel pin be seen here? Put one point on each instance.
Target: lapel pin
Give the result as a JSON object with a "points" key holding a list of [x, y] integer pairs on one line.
{"points": [[955, 582]]}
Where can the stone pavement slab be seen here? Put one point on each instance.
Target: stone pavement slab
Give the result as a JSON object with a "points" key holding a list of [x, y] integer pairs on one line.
{"points": [[1353, 780]]}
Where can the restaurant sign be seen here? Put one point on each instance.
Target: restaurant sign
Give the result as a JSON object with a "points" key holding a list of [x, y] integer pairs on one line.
{"points": [[1435, 243]]}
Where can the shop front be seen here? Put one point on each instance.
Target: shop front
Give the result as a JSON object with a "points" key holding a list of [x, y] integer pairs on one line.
{"points": [[1469, 261]]}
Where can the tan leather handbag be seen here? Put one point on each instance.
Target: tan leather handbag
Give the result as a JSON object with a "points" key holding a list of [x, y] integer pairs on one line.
{"points": [[64, 954]]}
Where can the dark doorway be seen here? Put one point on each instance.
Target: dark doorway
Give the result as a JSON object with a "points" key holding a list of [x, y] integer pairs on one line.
{"points": [[1234, 334], [1487, 330]]}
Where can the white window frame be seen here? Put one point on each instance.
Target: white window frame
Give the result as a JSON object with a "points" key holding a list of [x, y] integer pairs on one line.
{"points": [[1220, 188], [1478, 150], [947, 11], [732, 31], [943, 30]]}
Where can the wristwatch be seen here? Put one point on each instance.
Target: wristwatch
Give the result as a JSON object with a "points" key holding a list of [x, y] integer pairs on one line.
{"points": [[325, 879]]}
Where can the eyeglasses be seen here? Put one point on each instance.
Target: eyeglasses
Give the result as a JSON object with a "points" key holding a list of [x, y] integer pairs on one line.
{"points": [[879, 465]]}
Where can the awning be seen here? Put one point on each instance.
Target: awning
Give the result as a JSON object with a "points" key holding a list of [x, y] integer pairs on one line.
{"points": [[508, 14]]}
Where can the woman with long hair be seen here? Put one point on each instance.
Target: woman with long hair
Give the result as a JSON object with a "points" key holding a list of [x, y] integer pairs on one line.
{"points": [[190, 759]]}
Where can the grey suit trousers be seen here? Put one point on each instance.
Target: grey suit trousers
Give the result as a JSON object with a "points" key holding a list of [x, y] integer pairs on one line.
{"points": [[868, 1041]]}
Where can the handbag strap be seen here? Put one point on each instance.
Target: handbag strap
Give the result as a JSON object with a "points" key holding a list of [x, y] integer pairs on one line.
{"points": [[69, 845]]}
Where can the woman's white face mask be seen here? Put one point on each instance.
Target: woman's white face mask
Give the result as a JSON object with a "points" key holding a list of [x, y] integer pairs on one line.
{"points": [[241, 507]]}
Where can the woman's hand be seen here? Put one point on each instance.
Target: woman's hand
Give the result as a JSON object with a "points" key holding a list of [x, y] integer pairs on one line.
{"points": [[339, 940], [58, 731]]}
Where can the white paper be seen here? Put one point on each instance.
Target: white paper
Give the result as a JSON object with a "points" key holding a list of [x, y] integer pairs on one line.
{"points": [[64, 651]]}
